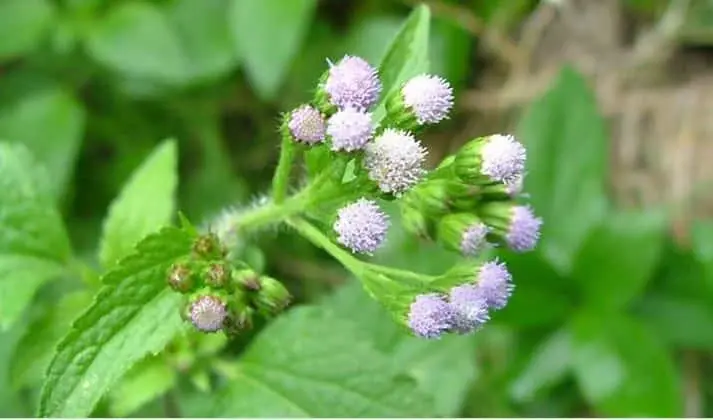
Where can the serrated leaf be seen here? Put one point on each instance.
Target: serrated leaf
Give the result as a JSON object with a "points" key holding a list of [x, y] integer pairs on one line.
{"points": [[567, 149], [325, 371], [622, 369], [34, 352], [137, 40], [34, 246], [23, 24], [146, 381], [135, 314], [549, 363], [268, 34], [407, 55], [619, 257], [146, 203], [50, 123]]}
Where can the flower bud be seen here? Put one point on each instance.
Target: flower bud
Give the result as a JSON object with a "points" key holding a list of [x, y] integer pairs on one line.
{"points": [[304, 125], [180, 277], [425, 99], [247, 280], [350, 130], [395, 160], [217, 275], [414, 221], [464, 233], [351, 82], [208, 246], [361, 226], [430, 316], [240, 315], [493, 158], [431, 197], [208, 312], [272, 298], [515, 225]]}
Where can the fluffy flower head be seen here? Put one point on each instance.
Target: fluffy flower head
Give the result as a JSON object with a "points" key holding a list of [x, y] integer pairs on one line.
{"points": [[474, 239], [430, 316], [429, 97], [208, 313], [524, 231], [361, 226], [306, 125], [353, 82], [470, 308], [350, 129], [503, 158], [494, 284], [394, 160]]}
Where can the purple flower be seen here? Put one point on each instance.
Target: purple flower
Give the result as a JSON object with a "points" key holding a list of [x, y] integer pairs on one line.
{"points": [[494, 284], [208, 313], [524, 230], [353, 82], [306, 125], [394, 160], [350, 129], [429, 97], [361, 226], [503, 158], [430, 316], [473, 240], [470, 307]]}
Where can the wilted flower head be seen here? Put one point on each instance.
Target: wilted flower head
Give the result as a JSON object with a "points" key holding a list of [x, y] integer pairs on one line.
{"points": [[524, 230], [430, 316], [394, 160], [470, 307], [361, 226], [429, 97], [307, 125], [353, 82], [494, 284], [503, 158], [350, 129], [474, 239], [208, 313]]}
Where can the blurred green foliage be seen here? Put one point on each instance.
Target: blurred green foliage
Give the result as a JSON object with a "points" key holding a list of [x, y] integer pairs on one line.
{"points": [[610, 317]]}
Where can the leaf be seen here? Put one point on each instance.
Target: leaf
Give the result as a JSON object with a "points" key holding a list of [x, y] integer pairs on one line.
{"points": [[135, 314], [34, 352], [622, 369], [366, 37], [145, 382], [268, 35], [619, 257], [567, 149], [407, 55], [702, 247], [205, 37], [146, 203], [23, 24], [137, 40], [49, 122], [549, 363], [681, 322], [325, 371], [34, 246]]}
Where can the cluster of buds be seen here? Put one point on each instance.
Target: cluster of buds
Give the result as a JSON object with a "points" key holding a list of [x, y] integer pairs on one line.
{"points": [[220, 295]]}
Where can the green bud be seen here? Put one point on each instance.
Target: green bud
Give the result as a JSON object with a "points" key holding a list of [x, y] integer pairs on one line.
{"points": [[321, 98], [414, 221], [240, 317], [497, 214], [208, 246], [272, 298], [468, 162], [430, 197], [217, 275], [398, 114], [180, 278], [464, 233], [247, 280]]}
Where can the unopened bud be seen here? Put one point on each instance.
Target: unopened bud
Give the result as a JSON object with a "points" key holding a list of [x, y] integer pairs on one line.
{"points": [[247, 279], [208, 246], [431, 197], [240, 318], [217, 275], [272, 298], [414, 221], [180, 278], [464, 233]]}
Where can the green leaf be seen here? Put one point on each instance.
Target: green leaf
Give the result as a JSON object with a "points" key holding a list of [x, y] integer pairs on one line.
{"points": [[702, 247], [23, 25], [549, 364], [135, 314], [567, 148], [325, 371], [34, 352], [622, 369], [146, 381], [407, 55], [366, 37], [681, 322], [145, 204], [137, 40], [50, 122], [34, 246], [619, 257], [268, 35]]}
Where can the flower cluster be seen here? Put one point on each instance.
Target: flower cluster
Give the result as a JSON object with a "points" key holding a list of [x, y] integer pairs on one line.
{"points": [[222, 296]]}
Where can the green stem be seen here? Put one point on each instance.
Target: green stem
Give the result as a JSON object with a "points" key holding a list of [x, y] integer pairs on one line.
{"points": [[281, 179], [314, 235], [400, 273]]}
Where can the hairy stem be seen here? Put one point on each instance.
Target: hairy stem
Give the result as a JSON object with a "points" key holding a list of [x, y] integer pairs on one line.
{"points": [[281, 179], [399, 273], [314, 235]]}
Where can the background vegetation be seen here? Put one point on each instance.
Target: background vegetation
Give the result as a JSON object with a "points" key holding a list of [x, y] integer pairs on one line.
{"points": [[612, 316]]}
